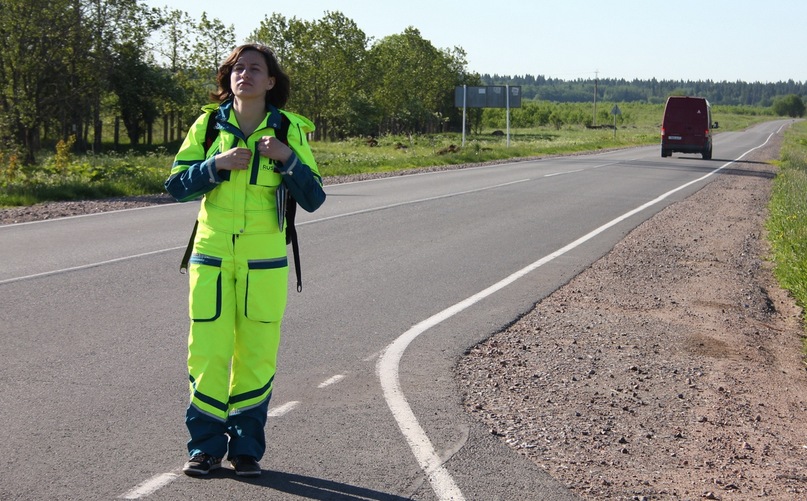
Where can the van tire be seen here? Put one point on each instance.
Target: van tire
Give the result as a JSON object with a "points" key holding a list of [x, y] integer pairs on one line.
{"points": [[665, 153], [707, 154]]}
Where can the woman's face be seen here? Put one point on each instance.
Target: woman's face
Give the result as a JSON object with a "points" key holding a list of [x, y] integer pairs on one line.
{"points": [[249, 77]]}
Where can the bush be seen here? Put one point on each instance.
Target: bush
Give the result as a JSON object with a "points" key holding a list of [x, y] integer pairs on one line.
{"points": [[789, 106]]}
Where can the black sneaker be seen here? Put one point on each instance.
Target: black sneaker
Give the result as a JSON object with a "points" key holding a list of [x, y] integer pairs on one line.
{"points": [[246, 466], [201, 464]]}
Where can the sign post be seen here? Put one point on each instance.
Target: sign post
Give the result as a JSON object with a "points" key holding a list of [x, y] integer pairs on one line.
{"points": [[491, 96], [615, 111]]}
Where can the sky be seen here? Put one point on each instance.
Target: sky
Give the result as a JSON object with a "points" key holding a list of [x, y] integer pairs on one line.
{"points": [[719, 40]]}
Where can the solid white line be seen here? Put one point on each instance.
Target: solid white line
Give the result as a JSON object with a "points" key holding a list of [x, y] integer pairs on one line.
{"points": [[150, 486], [41, 221], [388, 365], [438, 197], [431, 173], [85, 266], [331, 381], [125, 258], [283, 409]]}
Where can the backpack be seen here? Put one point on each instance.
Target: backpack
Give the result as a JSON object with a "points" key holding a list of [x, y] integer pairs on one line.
{"points": [[291, 203]]}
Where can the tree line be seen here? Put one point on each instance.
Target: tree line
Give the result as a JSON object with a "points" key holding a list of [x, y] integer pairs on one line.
{"points": [[74, 69], [67, 65], [648, 91]]}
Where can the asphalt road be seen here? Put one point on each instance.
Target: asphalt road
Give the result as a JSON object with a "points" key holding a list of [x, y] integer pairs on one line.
{"points": [[400, 277]]}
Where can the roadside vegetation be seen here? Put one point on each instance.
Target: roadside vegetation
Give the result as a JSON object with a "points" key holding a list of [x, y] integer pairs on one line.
{"points": [[62, 174], [787, 222]]}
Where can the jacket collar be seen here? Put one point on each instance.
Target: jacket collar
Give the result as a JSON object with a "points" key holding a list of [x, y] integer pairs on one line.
{"points": [[225, 109]]}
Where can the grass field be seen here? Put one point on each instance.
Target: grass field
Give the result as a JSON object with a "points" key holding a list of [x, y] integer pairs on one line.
{"points": [[787, 222]]}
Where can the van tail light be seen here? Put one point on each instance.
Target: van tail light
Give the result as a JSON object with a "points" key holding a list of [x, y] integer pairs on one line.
{"points": [[662, 132]]}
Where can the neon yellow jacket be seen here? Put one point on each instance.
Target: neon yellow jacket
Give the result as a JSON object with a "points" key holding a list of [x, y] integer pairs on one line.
{"points": [[247, 201]]}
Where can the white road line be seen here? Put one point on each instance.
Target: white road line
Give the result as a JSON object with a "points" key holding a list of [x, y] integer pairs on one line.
{"points": [[86, 215], [125, 258], [400, 204], [553, 174], [150, 486], [387, 367], [283, 409], [85, 266], [331, 381]]}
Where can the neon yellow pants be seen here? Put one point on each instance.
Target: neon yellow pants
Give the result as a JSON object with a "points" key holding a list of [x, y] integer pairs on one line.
{"points": [[238, 290]]}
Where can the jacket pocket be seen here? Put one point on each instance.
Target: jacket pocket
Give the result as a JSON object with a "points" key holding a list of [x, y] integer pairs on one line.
{"points": [[205, 288], [267, 288], [263, 173]]}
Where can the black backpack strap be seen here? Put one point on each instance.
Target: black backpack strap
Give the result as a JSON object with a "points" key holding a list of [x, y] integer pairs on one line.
{"points": [[291, 238], [291, 208], [210, 132], [183, 266]]}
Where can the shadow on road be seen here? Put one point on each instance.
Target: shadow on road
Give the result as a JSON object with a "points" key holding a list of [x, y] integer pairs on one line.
{"points": [[318, 488], [744, 167]]}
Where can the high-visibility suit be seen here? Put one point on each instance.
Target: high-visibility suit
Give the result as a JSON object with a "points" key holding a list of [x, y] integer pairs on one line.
{"points": [[238, 275]]}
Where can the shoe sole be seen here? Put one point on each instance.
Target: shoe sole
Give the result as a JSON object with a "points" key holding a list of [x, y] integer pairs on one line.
{"points": [[248, 473]]}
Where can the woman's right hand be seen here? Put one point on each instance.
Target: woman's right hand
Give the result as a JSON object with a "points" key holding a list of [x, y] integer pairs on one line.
{"points": [[234, 159]]}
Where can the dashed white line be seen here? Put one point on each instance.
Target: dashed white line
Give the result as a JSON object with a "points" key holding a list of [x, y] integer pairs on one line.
{"points": [[283, 409], [331, 381], [150, 486], [553, 174]]}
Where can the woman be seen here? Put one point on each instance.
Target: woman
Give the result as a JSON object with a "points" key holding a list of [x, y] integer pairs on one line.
{"points": [[239, 270]]}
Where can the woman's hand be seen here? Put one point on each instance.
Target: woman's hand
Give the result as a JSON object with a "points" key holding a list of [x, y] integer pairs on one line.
{"points": [[234, 159], [274, 149]]}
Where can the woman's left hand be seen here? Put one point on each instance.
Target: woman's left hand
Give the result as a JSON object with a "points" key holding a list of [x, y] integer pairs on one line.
{"points": [[273, 148]]}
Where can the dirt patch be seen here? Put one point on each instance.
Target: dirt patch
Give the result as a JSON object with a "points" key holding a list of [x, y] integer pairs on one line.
{"points": [[671, 369]]}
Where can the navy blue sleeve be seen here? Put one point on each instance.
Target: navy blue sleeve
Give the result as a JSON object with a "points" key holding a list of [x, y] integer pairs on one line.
{"points": [[194, 181], [303, 183]]}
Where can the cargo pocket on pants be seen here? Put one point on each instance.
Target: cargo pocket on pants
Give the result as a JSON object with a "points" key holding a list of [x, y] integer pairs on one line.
{"points": [[205, 288], [267, 287]]}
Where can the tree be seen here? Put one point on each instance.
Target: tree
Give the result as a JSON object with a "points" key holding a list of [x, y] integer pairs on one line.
{"points": [[176, 29], [791, 105], [33, 64], [138, 86], [134, 77], [214, 42], [108, 23], [416, 81], [325, 60]]}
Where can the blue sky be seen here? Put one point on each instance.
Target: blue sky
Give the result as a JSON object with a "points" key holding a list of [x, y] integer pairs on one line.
{"points": [[762, 41]]}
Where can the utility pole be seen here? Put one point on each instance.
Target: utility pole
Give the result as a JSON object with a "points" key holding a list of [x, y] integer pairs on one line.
{"points": [[596, 72]]}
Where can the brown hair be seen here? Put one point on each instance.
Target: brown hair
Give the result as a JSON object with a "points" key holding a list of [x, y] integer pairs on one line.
{"points": [[277, 96]]}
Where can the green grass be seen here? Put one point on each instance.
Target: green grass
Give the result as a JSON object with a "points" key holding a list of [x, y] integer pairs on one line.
{"points": [[84, 177], [787, 223]]}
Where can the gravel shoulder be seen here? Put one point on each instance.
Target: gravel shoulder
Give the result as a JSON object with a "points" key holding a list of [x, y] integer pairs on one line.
{"points": [[671, 369]]}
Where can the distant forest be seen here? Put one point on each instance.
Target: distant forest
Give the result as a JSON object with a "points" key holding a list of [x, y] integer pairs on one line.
{"points": [[647, 91]]}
